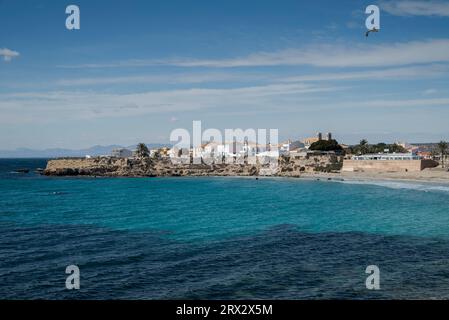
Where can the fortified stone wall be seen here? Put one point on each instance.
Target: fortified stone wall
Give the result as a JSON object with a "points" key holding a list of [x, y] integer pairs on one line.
{"points": [[387, 165]]}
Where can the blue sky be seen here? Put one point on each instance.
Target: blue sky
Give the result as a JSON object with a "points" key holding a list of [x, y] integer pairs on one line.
{"points": [[138, 69]]}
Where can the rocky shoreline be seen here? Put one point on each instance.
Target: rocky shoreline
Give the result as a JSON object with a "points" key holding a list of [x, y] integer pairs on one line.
{"points": [[317, 168], [163, 167]]}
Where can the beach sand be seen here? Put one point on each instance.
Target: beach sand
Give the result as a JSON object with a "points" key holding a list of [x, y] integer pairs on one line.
{"points": [[434, 175]]}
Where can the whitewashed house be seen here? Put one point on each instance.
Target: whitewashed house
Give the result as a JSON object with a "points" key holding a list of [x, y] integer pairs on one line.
{"points": [[121, 153]]}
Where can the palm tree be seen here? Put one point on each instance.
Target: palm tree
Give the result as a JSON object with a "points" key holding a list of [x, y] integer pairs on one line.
{"points": [[363, 146], [442, 148], [142, 150]]}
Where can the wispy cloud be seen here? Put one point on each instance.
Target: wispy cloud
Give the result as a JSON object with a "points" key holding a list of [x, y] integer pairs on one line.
{"points": [[38, 107], [324, 55], [430, 91], [412, 72], [408, 72], [444, 102], [395, 54], [8, 54], [176, 78], [43, 107], [416, 8]]}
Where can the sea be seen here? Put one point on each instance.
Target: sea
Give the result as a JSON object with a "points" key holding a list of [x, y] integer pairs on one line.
{"points": [[220, 237]]}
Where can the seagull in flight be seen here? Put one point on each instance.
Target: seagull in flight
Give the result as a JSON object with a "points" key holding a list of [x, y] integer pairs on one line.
{"points": [[372, 30]]}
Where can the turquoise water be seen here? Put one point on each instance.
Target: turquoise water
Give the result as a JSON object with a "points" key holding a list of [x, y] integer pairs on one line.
{"points": [[197, 208], [117, 222]]}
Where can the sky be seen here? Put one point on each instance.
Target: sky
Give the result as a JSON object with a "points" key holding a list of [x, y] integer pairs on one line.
{"points": [[136, 70]]}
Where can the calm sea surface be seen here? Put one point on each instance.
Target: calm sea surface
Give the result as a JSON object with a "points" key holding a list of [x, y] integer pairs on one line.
{"points": [[219, 238]]}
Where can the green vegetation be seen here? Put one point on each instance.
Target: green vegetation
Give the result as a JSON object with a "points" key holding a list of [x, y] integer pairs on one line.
{"points": [[364, 147], [326, 145], [142, 151], [157, 154], [443, 150]]}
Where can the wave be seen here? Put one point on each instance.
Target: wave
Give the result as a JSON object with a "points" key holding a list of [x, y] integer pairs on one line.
{"points": [[426, 187]]}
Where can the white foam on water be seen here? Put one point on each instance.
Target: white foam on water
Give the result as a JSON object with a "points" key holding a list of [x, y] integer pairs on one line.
{"points": [[426, 187]]}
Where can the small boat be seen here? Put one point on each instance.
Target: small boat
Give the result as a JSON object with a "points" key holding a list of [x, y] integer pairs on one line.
{"points": [[39, 170], [22, 170]]}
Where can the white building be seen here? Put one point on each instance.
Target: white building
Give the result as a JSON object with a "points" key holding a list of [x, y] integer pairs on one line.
{"points": [[387, 156], [284, 148], [179, 155], [228, 150], [121, 153]]}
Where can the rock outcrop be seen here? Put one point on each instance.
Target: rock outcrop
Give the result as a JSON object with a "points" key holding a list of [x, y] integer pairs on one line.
{"points": [[111, 167], [148, 167]]}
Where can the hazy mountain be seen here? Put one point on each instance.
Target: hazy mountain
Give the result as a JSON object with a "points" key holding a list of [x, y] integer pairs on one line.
{"points": [[60, 152]]}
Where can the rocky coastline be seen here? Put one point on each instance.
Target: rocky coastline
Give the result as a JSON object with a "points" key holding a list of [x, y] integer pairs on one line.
{"points": [[163, 167]]}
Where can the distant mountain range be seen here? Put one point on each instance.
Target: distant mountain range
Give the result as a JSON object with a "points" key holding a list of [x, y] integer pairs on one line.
{"points": [[60, 152]]}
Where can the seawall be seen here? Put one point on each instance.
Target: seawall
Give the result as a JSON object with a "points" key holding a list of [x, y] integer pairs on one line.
{"points": [[387, 165]]}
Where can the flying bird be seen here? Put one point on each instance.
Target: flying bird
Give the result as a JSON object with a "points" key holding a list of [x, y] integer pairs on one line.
{"points": [[372, 30]]}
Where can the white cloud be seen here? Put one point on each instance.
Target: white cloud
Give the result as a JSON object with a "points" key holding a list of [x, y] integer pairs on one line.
{"points": [[430, 91], [8, 54], [407, 103], [37, 107], [408, 72], [417, 8], [390, 73], [183, 78], [365, 55], [324, 55]]}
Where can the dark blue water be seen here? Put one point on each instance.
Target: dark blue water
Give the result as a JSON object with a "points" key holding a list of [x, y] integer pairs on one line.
{"points": [[219, 238]]}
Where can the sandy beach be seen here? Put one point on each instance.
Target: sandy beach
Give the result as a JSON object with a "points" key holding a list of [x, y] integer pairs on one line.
{"points": [[434, 175]]}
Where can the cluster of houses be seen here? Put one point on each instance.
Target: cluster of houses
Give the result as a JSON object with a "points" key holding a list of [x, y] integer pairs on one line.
{"points": [[234, 149], [299, 148], [238, 151]]}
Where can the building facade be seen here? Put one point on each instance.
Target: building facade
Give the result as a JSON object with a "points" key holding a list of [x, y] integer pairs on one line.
{"points": [[121, 153], [387, 162]]}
